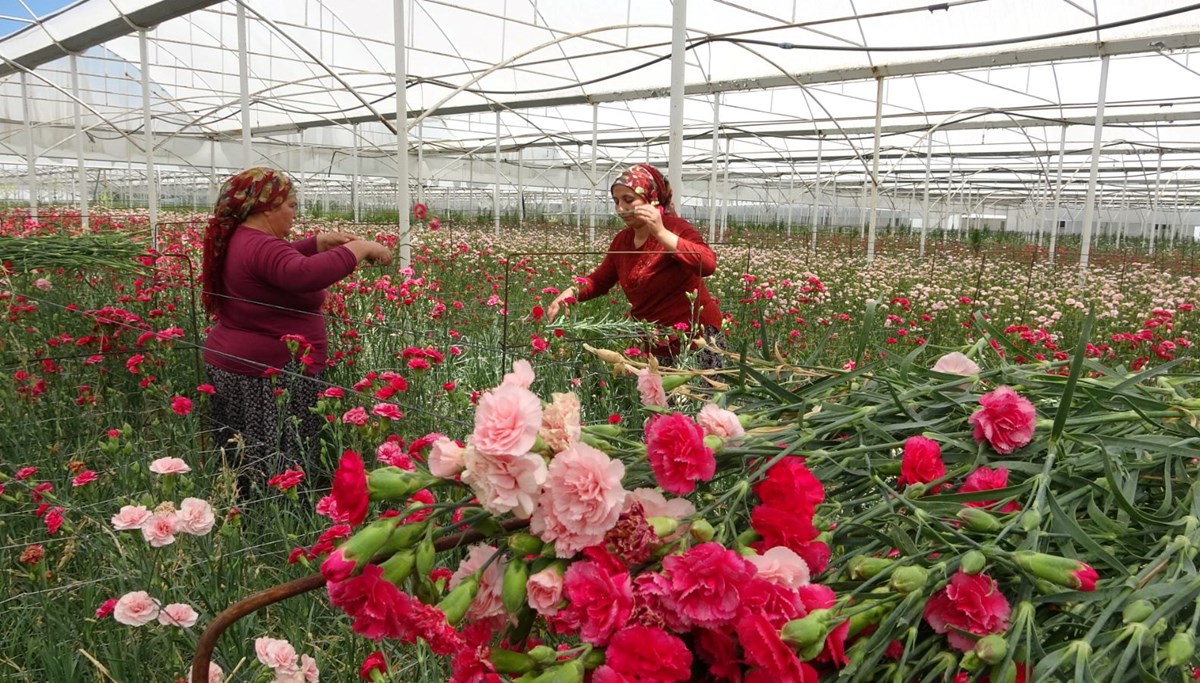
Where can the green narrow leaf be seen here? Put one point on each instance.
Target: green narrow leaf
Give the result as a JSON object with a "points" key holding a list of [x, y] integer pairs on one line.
{"points": [[1147, 374], [864, 331], [1066, 524], [1064, 404]]}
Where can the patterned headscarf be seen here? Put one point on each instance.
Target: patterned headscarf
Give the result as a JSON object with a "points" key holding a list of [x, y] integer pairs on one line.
{"points": [[648, 183], [252, 191]]}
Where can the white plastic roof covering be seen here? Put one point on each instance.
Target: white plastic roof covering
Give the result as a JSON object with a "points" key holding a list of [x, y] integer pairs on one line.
{"points": [[998, 109]]}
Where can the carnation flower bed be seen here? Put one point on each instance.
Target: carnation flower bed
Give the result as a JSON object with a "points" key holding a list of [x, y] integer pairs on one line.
{"points": [[852, 503]]}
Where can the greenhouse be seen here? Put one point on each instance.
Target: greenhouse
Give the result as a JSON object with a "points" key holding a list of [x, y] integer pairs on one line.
{"points": [[707, 340]]}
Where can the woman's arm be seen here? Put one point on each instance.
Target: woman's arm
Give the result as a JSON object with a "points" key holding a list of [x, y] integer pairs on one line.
{"points": [[599, 282]]}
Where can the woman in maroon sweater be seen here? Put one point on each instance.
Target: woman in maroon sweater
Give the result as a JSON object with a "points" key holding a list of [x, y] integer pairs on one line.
{"points": [[266, 295], [660, 261]]}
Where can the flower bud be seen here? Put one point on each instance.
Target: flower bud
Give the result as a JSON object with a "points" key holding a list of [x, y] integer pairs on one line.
{"points": [[863, 567], [972, 562], [593, 659], [1058, 570], [1179, 650], [670, 382], [397, 567], [570, 672], [606, 355], [714, 443], [393, 483], [1030, 520], [426, 554], [602, 429], [971, 662], [523, 544], [701, 530], [405, 536], [909, 579], [509, 662], [457, 601], [991, 649], [810, 630], [369, 540], [513, 588], [543, 654], [1137, 611], [747, 537], [663, 526], [979, 520]]}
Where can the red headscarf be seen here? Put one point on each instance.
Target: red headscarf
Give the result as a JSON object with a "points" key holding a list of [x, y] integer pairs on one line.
{"points": [[649, 184], [252, 191]]}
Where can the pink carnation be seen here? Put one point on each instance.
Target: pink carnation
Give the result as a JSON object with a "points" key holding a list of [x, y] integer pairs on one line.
{"points": [[195, 516], [921, 462], [445, 458], [507, 420], [169, 466], [276, 654], [544, 590], [987, 479], [782, 566], [136, 609], [970, 606], [655, 504], [178, 614], [560, 422], [650, 387], [1006, 420], [356, 416], [505, 483], [130, 517], [955, 363], [599, 595], [160, 529], [677, 454], [706, 583], [720, 422], [582, 500], [521, 375], [487, 602]]}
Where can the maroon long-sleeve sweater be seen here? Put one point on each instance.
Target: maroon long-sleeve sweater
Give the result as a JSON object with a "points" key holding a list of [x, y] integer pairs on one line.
{"points": [[272, 288], [657, 282]]}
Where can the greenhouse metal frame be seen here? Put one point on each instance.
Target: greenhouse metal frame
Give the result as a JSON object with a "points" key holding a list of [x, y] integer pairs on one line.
{"points": [[1042, 117]]}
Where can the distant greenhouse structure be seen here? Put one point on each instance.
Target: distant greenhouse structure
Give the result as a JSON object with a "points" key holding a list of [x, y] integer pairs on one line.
{"points": [[1038, 117]]}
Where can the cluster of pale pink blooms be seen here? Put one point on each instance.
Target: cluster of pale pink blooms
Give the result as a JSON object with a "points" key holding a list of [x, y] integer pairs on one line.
{"points": [[159, 526], [279, 656]]}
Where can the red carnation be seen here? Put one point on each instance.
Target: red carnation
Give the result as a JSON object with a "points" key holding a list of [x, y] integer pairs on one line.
{"points": [[921, 462], [706, 582], [790, 485], [1006, 419], [350, 488], [971, 604], [764, 649], [600, 597], [373, 663], [987, 479], [645, 653], [677, 454]]}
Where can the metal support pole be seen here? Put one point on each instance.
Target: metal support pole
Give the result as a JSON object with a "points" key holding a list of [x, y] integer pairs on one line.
{"points": [[1062, 146], [875, 172], [712, 178], [925, 194], [816, 215], [1154, 202], [30, 151], [496, 187], [298, 170], [725, 189], [402, 198], [212, 172], [421, 162], [148, 137], [790, 194], [566, 200], [1124, 210], [595, 153], [354, 189], [244, 82], [82, 175], [1089, 206], [675, 143], [520, 187]]}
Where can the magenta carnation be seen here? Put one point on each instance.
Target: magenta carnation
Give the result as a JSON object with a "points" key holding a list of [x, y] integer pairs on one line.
{"points": [[678, 456]]}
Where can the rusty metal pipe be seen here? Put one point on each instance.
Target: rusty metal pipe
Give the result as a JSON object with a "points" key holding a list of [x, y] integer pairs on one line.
{"points": [[274, 594]]}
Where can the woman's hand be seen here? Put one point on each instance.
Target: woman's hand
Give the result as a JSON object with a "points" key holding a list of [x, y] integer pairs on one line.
{"points": [[651, 217], [558, 303], [331, 240], [372, 252]]}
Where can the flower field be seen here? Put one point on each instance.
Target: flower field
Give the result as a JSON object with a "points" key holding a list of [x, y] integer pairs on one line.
{"points": [[848, 502]]}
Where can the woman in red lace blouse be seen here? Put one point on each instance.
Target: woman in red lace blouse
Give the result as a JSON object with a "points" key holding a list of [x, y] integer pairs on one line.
{"points": [[660, 262]]}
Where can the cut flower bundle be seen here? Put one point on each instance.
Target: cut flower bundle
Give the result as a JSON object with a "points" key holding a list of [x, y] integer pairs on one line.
{"points": [[886, 522]]}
